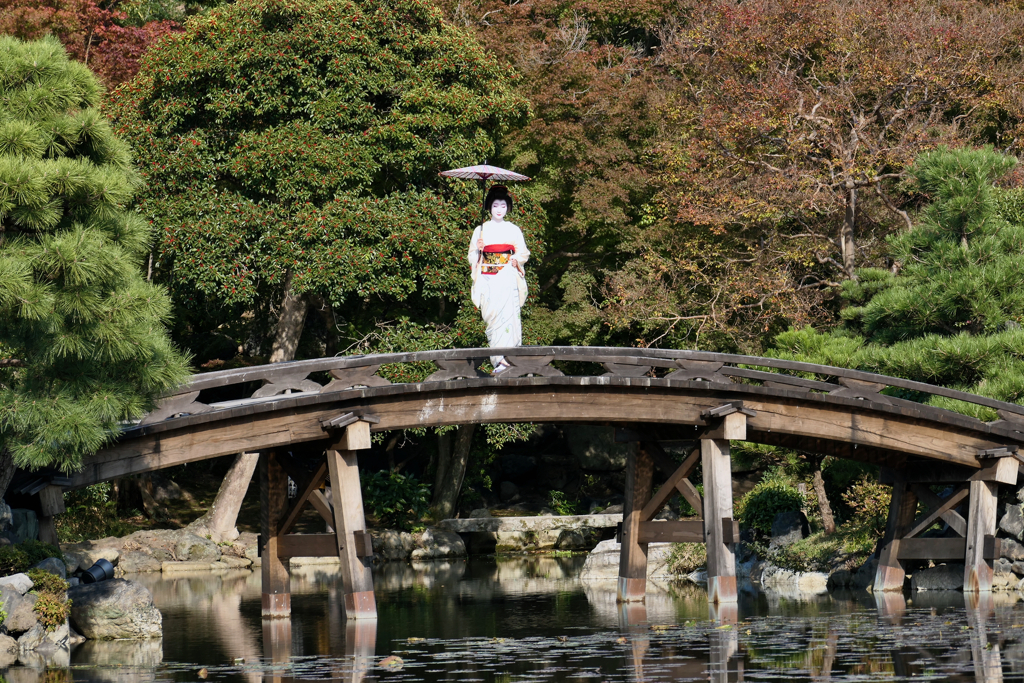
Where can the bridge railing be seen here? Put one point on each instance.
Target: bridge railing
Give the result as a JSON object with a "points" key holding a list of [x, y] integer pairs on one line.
{"points": [[341, 373]]}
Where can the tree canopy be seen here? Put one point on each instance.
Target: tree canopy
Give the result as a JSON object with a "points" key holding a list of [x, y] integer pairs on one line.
{"points": [[83, 345], [949, 311], [298, 143]]}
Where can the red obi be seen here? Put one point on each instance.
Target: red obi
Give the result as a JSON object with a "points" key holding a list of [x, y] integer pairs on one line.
{"points": [[495, 257], [499, 248]]}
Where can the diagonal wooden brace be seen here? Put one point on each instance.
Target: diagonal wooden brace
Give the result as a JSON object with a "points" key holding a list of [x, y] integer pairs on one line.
{"points": [[939, 508], [677, 481], [307, 488]]}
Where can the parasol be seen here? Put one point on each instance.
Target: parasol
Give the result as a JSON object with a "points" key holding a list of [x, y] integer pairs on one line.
{"points": [[483, 173]]}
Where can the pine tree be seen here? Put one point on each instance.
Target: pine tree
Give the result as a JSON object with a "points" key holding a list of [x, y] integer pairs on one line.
{"points": [[83, 345], [950, 310]]}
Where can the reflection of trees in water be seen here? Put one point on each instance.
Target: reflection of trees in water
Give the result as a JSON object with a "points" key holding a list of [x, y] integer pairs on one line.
{"points": [[521, 611]]}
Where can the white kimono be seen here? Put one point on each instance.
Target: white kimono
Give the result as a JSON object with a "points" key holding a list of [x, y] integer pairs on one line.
{"points": [[501, 295]]}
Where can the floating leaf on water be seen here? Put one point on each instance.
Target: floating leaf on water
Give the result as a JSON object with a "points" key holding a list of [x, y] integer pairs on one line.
{"points": [[415, 640], [392, 662], [203, 673]]}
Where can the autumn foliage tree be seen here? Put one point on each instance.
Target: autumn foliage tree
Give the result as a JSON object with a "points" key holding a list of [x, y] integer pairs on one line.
{"points": [[100, 35], [789, 128], [586, 69]]}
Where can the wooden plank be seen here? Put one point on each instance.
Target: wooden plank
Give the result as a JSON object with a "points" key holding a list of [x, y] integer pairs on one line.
{"points": [[355, 438], [981, 522], [614, 401], [902, 508], [939, 509], [308, 487], [632, 584], [320, 503], [667, 531], [307, 545], [731, 427], [671, 485], [277, 600], [691, 495], [718, 505], [347, 497], [944, 548], [48, 530], [730, 530], [51, 501], [1002, 471]]}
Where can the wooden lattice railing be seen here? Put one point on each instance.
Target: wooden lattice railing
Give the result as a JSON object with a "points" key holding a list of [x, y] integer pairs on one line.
{"points": [[424, 368]]}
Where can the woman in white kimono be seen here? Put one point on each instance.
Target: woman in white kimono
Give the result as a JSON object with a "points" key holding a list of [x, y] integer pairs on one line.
{"points": [[497, 253]]}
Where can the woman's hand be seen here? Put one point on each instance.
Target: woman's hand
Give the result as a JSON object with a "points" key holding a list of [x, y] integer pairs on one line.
{"points": [[480, 244], [515, 263]]}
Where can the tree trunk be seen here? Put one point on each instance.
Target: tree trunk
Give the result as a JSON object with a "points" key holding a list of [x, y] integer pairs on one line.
{"points": [[827, 521], [448, 482], [847, 239], [219, 521], [289, 324]]}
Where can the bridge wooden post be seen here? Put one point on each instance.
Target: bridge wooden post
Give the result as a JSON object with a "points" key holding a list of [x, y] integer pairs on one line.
{"points": [[632, 553], [725, 423], [902, 507], [981, 523], [277, 599], [349, 521]]}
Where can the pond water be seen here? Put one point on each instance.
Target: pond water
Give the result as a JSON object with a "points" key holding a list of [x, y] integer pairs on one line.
{"points": [[531, 619]]}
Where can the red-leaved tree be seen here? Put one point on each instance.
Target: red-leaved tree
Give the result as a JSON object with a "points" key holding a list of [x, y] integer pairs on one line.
{"points": [[99, 36]]}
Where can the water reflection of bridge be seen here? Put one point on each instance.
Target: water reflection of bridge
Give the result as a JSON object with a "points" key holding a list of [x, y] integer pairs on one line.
{"points": [[224, 611]]}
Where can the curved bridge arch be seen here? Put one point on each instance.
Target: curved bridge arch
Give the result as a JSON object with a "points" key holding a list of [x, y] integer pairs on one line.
{"points": [[828, 410], [658, 395]]}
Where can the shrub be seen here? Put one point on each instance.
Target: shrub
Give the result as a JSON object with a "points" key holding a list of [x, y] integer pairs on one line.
{"points": [[869, 501], [758, 508], [561, 504], [687, 557], [47, 582], [52, 610], [52, 604], [397, 501], [91, 513], [17, 558]]}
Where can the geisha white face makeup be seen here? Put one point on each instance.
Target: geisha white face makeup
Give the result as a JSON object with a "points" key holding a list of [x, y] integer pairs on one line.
{"points": [[499, 207]]}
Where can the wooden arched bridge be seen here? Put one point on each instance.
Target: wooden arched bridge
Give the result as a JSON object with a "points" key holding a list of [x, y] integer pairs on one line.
{"points": [[650, 395]]}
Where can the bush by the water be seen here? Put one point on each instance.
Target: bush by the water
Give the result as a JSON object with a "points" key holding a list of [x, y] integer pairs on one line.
{"points": [[850, 545], [15, 559], [52, 604], [397, 501], [686, 558], [758, 508]]}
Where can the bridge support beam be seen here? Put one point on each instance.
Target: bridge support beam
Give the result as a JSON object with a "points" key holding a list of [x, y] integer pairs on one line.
{"points": [[715, 458], [889, 575], [981, 523], [277, 598], [725, 423], [633, 554], [350, 523]]}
